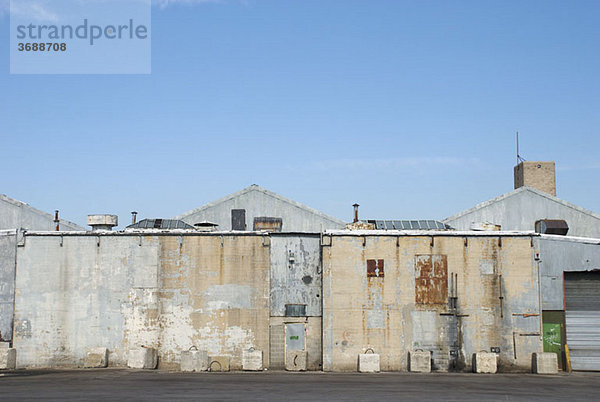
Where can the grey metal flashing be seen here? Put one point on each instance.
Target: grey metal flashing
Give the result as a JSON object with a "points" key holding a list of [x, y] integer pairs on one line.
{"points": [[516, 192], [257, 188], [429, 233]]}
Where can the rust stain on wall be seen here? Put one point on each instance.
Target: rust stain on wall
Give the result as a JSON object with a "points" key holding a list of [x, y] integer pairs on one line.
{"points": [[431, 279]]}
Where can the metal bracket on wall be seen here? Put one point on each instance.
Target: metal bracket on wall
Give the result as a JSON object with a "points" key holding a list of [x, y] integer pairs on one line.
{"points": [[21, 238], [466, 242], [326, 241], [432, 242], [61, 240], [266, 241], [499, 241], [222, 240], [97, 241], [397, 241], [140, 240], [180, 241], [364, 241]]}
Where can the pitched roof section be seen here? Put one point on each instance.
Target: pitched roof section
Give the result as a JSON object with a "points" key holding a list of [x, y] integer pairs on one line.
{"points": [[21, 204], [257, 188], [517, 192]]}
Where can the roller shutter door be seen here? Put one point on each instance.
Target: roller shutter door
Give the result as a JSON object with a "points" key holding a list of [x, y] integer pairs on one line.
{"points": [[582, 318]]}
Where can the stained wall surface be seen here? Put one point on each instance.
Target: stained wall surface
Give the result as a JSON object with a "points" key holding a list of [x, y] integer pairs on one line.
{"points": [[118, 291], [406, 301], [8, 250]]}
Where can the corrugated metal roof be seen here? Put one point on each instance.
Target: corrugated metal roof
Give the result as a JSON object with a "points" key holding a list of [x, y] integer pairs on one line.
{"points": [[160, 224], [410, 225]]}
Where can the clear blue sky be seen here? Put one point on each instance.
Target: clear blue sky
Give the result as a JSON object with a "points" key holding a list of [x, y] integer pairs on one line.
{"points": [[407, 107]]}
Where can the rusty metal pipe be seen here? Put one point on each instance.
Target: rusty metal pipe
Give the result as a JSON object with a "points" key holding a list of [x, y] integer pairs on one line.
{"points": [[56, 220], [355, 212]]}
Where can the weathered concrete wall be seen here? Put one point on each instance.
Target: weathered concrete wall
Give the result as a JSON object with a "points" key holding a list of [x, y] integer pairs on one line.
{"points": [[295, 273], [521, 208], [8, 250], [560, 254], [214, 294], [260, 202], [122, 291], [16, 214], [93, 291], [409, 307]]}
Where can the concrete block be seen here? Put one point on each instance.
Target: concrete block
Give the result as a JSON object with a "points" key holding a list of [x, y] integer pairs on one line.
{"points": [[142, 358], [295, 360], [8, 358], [219, 363], [368, 363], [96, 358], [252, 360], [544, 363], [194, 360], [419, 361], [485, 362]]}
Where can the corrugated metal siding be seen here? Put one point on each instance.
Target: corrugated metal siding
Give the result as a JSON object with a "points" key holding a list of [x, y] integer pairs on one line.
{"points": [[582, 297]]}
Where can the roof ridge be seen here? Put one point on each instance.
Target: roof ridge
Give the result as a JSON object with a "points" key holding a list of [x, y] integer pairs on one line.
{"points": [[515, 192], [256, 187], [18, 203]]}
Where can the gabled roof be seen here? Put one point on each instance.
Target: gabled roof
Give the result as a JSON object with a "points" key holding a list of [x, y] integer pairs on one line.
{"points": [[516, 192], [257, 188], [20, 204]]}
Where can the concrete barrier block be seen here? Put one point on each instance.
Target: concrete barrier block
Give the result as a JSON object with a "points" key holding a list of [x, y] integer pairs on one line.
{"points": [[219, 363], [419, 361], [252, 360], [295, 360], [194, 360], [96, 358], [368, 363], [8, 358], [142, 358], [485, 362], [545, 363]]}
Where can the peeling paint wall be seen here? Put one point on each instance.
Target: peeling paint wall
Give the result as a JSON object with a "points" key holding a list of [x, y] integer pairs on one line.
{"points": [[295, 279], [91, 291], [295, 273], [214, 295], [8, 250], [385, 314], [122, 291]]}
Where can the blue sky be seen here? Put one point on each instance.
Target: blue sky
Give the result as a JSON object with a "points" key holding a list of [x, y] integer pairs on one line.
{"points": [[409, 108]]}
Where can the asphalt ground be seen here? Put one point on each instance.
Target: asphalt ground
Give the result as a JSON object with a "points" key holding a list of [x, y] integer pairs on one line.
{"points": [[127, 384]]}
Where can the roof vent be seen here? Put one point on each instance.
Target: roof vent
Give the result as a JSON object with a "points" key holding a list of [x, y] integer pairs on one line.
{"points": [[485, 227], [206, 226], [102, 222], [552, 226]]}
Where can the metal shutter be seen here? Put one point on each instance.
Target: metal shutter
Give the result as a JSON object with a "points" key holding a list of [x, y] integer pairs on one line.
{"points": [[582, 316]]}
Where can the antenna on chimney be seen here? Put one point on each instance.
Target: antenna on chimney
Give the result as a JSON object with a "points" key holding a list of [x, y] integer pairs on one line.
{"points": [[519, 159]]}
